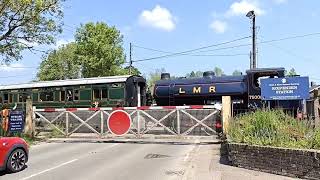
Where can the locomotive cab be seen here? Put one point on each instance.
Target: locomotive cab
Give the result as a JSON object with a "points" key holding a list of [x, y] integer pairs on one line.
{"points": [[254, 77]]}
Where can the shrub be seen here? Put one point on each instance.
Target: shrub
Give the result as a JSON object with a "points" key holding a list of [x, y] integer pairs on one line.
{"points": [[271, 128]]}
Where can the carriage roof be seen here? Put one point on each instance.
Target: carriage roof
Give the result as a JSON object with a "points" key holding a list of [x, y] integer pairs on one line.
{"points": [[69, 82]]}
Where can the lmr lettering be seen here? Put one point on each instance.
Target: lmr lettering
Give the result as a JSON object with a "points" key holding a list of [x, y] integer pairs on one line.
{"points": [[197, 90], [212, 89]]}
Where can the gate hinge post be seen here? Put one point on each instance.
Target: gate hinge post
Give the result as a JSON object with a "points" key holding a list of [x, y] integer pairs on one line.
{"points": [[178, 122], [101, 123], [67, 123]]}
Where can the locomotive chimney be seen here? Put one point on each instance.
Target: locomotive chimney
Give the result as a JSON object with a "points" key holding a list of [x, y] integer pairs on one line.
{"points": [[165, 76], [208, 74]]}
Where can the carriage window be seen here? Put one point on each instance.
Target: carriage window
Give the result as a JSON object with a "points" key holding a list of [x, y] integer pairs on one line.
{"points": [[0, 99], [69, 94], [115, 85], [5, 98], [46, 96], [22, 97], [10, 98], [76, 94], [104, 93], [96, 94], [62, 95]]}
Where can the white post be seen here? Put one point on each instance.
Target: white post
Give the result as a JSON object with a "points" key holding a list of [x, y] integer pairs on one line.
{"points": [[138, 95], [304, 108], [178, 122], [101, 123], [67, 123], [138, 122]]}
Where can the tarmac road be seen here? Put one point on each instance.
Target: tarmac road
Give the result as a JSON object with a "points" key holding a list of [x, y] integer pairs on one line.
{"points": [[110, 161], [128, 161]]}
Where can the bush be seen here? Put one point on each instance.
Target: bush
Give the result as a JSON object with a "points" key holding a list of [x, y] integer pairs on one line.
{"points": [[28, 139], [272, 128], [316, 139]]}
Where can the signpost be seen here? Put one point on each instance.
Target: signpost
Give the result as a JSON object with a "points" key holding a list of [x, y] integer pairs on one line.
{"points": [[119, 122], [16, 121], [288, 88]]}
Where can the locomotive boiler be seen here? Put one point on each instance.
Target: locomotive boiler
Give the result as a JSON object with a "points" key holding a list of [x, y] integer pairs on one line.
{"points": [[244, 90]]}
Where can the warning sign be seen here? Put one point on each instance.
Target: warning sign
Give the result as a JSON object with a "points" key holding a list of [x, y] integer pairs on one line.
{"points": [[119, 122], [16, 121]]}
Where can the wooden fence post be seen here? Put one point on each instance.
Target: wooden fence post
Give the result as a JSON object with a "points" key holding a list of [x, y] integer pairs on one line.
{"points": [[316, 108], [226, 112], [29, 125]]}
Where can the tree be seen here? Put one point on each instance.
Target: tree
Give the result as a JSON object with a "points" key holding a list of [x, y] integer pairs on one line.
{"points": [[292, 72], [134, 70], [60, 64], [99, 50], [153, 77], [236, 73], [191, 75], [218, 71], [194, 74], [25, 23]]}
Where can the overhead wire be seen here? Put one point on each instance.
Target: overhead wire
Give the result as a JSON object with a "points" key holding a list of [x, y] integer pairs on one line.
{"points": [[189, 54], [191, 50], [290, 37], [222, 48]]}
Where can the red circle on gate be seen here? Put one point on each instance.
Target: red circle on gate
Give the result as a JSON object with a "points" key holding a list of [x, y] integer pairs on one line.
{"points": [[119, 122]]}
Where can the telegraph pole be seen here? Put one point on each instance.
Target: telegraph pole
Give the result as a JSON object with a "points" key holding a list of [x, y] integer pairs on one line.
{"points": [[250, 60], [130, 60], [254, 60], [252, 16]]}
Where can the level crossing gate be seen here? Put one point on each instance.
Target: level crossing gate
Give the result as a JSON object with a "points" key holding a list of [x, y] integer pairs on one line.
{"points": [[176, 121]]}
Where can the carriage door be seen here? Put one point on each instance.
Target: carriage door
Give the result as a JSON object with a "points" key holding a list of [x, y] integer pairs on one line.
{"points": [[141, 94], [254, 90]]}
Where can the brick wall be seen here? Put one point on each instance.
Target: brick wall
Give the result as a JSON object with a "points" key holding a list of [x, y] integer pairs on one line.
{"points": [[283, 161]]}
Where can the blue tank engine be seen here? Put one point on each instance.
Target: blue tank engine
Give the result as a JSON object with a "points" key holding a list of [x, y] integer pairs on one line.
{"points": [[244, 90]]}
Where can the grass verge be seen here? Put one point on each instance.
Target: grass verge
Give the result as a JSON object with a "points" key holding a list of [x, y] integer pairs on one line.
{"points": [[273, 128]]}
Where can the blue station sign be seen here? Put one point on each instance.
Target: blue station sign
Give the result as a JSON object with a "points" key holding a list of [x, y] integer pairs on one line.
{"points": [[289, 88], [16, 121]]}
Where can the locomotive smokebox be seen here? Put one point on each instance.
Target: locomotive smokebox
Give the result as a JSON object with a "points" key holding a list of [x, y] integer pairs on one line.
{"points": [[165, 76], [208, 74]]}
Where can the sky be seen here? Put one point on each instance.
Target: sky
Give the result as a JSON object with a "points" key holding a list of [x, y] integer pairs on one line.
{"points": [[182, 25]]}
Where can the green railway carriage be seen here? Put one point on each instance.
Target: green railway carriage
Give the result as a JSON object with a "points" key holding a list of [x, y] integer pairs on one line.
{"points": [[109, 91]]}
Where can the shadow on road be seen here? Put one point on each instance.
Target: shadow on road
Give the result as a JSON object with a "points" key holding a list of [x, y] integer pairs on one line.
{"points": [[4, 172], [224, 159]]}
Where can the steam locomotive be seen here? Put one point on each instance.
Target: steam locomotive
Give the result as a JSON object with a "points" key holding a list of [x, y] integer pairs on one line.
{"points": [[244, 90]]}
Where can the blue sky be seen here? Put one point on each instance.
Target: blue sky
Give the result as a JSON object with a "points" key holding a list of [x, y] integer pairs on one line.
{"points": [[182, 25]]}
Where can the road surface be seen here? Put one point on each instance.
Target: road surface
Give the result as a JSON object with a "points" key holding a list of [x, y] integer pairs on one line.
{"points": [[128, 161]]}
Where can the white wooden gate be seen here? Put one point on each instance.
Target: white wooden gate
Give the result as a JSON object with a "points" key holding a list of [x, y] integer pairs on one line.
{"points": [[164, 120]]}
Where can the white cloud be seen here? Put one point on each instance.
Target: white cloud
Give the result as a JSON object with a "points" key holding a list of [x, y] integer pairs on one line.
{"points": [[219, 26], [62, 42], [12, 67], [243, 7], [280, 1], [159, 17]]}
